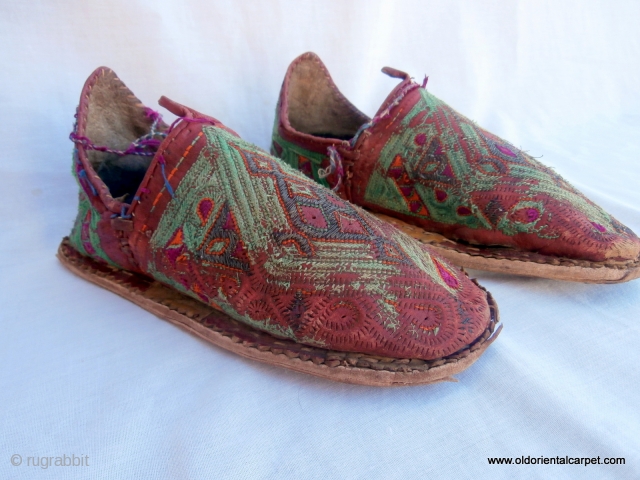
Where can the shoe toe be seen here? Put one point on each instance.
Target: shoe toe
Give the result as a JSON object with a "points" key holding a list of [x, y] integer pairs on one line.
{"points": [[441, 318], [594, 236], [409, 304], [429, 309]]}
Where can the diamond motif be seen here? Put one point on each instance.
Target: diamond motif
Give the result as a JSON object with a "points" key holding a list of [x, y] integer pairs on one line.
{"points": [[349, 224], [312, 216], [296, 189]]}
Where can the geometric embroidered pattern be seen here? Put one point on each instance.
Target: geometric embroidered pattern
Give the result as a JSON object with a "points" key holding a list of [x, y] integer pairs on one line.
{"points": [[268, 246], [315, 218], [222, 243], [437, 169], [450, 172], [221, 221], [422, 166], [406, 187], [458, 179]]}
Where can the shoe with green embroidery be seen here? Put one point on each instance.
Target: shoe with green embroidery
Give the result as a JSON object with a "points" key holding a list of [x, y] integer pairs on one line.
{"points": [[420, 165], [215, 235]]}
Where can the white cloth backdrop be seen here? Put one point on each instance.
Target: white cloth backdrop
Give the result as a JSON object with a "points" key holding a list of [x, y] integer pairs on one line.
{"points": [[84, 372]]}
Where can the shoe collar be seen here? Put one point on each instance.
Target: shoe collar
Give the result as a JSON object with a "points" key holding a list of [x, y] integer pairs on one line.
{"points": [[335, 149], [95, 189]]}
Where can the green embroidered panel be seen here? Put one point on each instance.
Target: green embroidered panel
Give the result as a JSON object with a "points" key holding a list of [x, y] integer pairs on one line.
{"points": [[237, 208], [444, 168], [84, 234], [303, 160]]}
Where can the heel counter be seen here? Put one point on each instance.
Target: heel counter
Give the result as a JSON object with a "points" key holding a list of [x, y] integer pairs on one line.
{"points": [[84, 235]]}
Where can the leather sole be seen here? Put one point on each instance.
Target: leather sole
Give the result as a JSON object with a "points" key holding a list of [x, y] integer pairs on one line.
{"points": [[519, 262], [225, 332]]}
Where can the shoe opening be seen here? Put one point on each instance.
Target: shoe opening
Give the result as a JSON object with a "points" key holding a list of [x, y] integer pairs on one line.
{"points": [[121, 136], [316, 106]]}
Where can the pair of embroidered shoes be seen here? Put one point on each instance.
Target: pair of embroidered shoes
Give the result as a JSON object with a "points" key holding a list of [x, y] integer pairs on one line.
{"points": [[211, 233]]}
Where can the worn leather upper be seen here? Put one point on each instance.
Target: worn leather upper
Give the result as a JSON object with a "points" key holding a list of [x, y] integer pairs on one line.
{"points": [[224, 222], [420, 161]]}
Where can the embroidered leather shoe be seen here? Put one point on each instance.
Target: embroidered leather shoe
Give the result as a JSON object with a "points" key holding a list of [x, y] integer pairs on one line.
{"points": [[431, 172], [211, 233]]}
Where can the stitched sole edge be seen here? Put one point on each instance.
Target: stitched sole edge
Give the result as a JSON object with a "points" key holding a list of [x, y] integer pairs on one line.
{"points": [[517, 262], [225, 332]]}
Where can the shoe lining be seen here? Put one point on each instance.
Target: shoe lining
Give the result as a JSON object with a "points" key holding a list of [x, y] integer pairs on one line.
{"points": [[115, 118], [316, 106]]}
